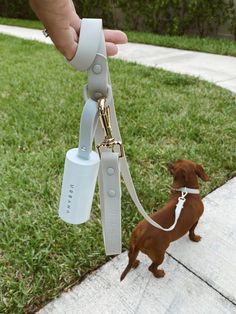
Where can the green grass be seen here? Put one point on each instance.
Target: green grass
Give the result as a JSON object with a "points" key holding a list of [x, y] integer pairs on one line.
{"points": [[23, 23], [211, 45], [162, 117]]}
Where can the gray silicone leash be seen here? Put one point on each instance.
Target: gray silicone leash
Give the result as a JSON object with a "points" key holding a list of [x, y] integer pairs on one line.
{"points": [[91, 57], [109, 172], [88, 125], [98, 85], [111, 202]]}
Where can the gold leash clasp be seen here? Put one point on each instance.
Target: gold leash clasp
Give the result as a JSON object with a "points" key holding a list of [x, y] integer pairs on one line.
{"points": [[109, 141]]}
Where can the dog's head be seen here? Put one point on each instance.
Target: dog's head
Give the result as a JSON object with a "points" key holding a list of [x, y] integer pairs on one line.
{"points": [[186, 173]]}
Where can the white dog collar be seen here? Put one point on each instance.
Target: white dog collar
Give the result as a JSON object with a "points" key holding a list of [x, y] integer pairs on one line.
{"points": [[188, 190]]}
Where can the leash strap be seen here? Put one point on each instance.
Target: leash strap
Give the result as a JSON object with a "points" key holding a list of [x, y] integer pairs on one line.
{"points": [[91, 57], [110, 198], [131, 189], [88, 125]]}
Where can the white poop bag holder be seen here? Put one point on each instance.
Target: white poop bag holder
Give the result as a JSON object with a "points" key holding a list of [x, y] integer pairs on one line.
{"points": [[82, 165]]}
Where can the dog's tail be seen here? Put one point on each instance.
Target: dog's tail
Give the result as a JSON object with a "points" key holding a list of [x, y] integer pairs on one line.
{"points": [[133, 253]]}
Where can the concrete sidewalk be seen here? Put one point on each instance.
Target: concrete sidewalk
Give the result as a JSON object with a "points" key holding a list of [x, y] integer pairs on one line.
{"points": [[200, 277], [217, 69], [220, 70]]}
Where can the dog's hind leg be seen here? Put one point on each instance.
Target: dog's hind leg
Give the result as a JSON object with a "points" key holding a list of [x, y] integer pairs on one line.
{"points": [[157, 260], [133, 262], [192, 236], [136, 262]]}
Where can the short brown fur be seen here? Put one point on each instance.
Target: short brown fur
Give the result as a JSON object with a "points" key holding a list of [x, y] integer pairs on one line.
{"points": [[152, 241]]}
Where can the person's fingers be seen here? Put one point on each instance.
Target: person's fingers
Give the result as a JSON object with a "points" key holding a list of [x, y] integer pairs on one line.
{"points": [[75, 22], [74, 34], [115, 36], [65, 40], [69, 52], [112, 38], [112, 49]]}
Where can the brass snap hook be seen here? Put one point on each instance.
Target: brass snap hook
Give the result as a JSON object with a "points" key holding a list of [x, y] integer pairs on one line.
{"points": [[105, 118]]}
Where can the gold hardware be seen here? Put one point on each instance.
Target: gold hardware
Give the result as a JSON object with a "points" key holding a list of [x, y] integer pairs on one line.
{"points": [[109, 141]]}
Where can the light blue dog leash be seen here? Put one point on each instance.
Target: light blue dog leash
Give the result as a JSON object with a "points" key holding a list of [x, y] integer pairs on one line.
{"points": [[99, 121]]}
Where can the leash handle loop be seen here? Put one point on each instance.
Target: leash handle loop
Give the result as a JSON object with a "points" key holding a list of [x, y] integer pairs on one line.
{"points": [[91, 57]]}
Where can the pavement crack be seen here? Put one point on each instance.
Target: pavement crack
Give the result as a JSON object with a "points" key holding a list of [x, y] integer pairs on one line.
{"points": [[199, 277]]}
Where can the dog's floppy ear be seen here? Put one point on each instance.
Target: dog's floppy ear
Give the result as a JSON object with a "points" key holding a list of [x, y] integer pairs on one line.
{"points": [[201, 173]]}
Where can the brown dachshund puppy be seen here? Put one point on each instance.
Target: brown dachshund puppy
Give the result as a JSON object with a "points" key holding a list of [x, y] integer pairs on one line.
{"points": [[152, 241]]}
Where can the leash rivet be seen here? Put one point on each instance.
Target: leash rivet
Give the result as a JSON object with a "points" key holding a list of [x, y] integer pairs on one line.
{"points": [[112, 193], [110, 171], [97, 69]]}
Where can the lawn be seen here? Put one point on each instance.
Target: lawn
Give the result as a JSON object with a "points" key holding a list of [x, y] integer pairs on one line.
{"points": [[211, 45], [22, 23], [207, 44], [163, 117]]}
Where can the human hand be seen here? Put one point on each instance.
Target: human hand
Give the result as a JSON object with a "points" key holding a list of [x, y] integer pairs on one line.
{"points": [[66, 40], [63, 26]]}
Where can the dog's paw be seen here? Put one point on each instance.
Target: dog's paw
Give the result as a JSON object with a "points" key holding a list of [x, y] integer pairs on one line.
{"points": [[159, 273], [195, 238]]}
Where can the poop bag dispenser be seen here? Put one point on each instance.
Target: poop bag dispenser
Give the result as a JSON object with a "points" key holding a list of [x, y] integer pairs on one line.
{"points": [[80, 171]]}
